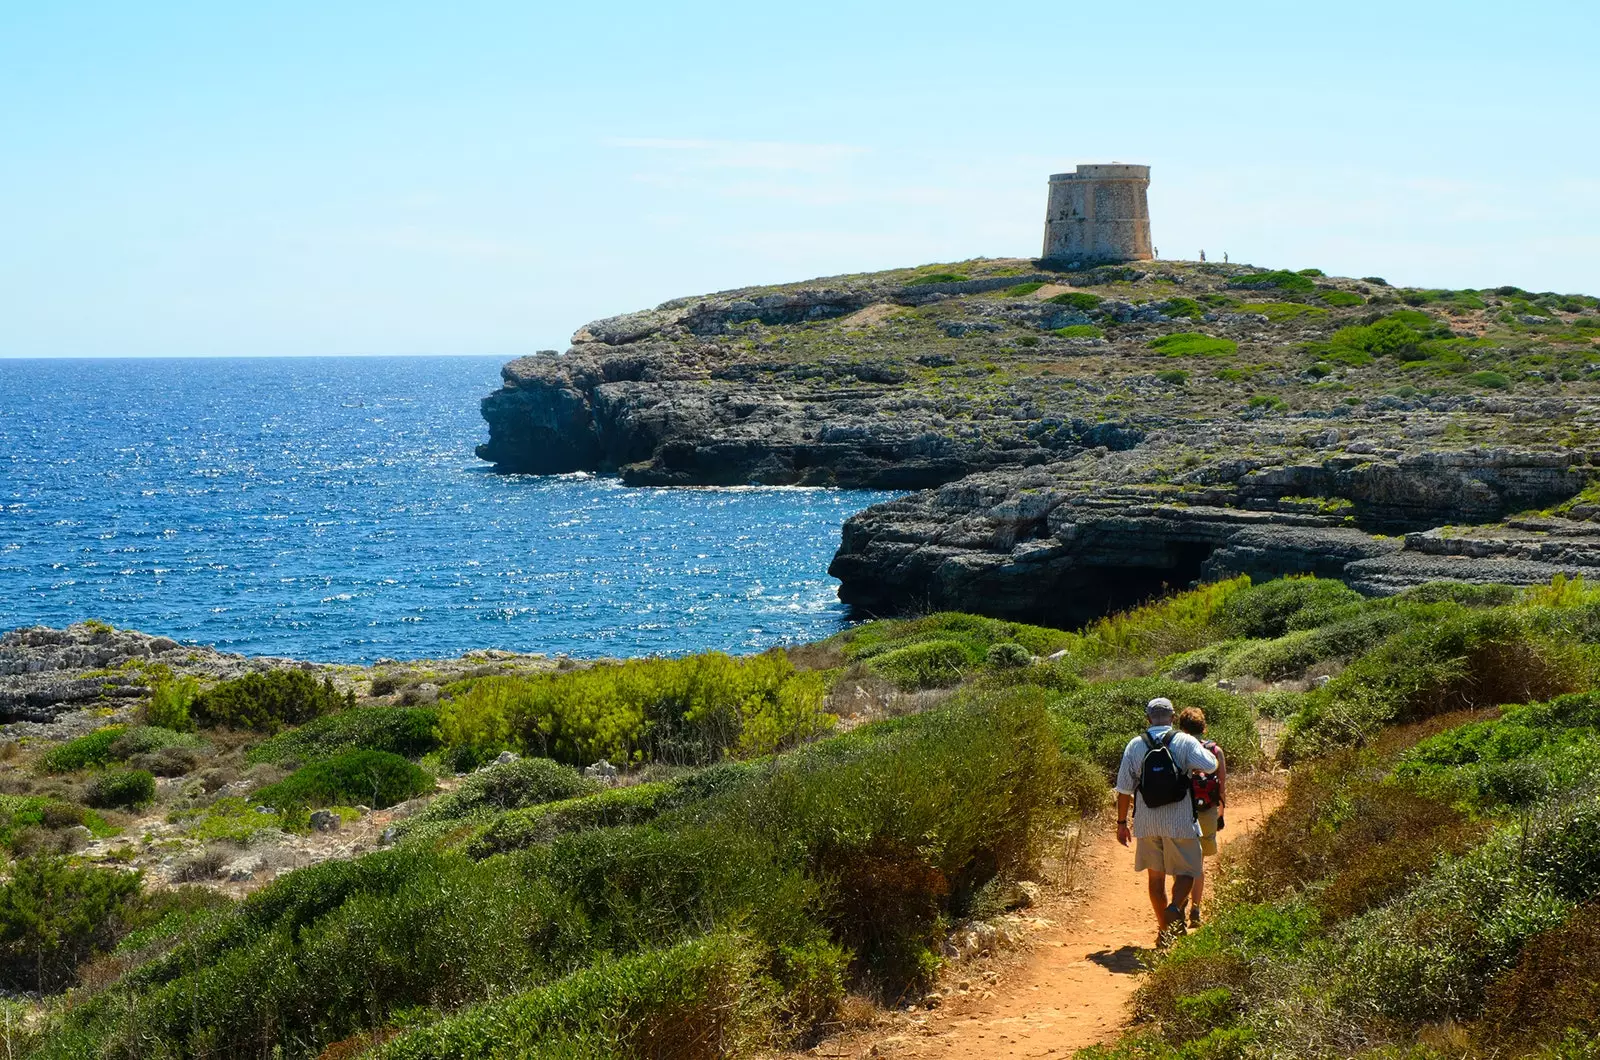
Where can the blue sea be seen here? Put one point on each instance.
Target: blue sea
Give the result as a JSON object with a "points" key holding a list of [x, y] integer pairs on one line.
{"points": [[332, 509]]}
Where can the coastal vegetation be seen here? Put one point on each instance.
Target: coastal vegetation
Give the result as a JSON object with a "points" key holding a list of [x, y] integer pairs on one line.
{"points": [[793, 835]]}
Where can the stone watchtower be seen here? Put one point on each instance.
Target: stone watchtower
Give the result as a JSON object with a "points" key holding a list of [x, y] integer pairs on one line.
{"points": [[1098, 213]]}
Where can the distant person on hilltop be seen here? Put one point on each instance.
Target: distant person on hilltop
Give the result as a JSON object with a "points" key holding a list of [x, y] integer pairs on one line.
{"points": [[1154, 784], [1210, 793]]}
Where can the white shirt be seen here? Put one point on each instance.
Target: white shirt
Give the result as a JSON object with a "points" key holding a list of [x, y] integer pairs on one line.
{"points": [[1176, 820]]}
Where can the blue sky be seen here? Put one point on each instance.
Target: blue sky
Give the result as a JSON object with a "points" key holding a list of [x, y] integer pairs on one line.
{"points": [[484, 177]]}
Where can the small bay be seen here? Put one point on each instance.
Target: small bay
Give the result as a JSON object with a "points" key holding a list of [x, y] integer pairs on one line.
{"points": [[332, 509]]}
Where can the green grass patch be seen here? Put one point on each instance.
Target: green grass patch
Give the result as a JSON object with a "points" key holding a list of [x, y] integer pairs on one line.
{"points": [[372, 778], [1079, 331], [1082, 301], [1022, 290], [1194, 344]]}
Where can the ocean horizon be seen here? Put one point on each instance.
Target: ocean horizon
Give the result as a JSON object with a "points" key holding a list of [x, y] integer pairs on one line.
{"points": [[332, 508]]}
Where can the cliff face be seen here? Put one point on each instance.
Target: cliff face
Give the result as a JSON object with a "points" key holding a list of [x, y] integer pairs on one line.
{"points": [[1083, 439]]}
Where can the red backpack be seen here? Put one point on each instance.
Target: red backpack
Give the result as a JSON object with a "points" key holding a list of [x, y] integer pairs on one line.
{"points": [[1207, 786]]}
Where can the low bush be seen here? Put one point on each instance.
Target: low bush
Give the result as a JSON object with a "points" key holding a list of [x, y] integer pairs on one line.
{"points": [[1282, 279], [1194, 344], [937, 277], [54, 916], [121, 789], [82, 752], [548, 821], [1552, 988], [148, 739], [267, 702], [701, 998], [1295, 653], [1460, 660], [1079, 331], [1340, 299], [1273, 608], [508, 786], [170, 700], [405, 731], [927, 664], [689, 710], [372, 778], [1082, 301], [1022, 290]]}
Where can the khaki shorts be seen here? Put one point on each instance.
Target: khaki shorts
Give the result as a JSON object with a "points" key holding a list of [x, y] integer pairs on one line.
{"points": [[1175, 857], [1208, 832]]}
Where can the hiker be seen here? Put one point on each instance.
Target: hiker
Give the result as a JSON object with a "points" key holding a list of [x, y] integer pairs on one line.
{"points": [[1154, 784], [1202, 255], [1210, 791]]}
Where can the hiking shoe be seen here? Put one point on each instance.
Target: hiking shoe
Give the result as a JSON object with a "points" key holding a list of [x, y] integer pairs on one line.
{"points": [[1174, 928], [1194, 917]]}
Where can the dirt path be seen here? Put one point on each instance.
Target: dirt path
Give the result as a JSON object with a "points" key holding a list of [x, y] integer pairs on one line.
{"points": [[1071, 989]]}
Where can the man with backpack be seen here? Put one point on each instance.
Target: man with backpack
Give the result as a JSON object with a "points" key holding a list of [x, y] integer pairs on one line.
{"points": [[1210, 795], [1154, 786]]}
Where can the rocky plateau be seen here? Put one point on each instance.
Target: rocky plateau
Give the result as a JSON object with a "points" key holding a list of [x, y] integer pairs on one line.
{"points": [[1074, 441]]}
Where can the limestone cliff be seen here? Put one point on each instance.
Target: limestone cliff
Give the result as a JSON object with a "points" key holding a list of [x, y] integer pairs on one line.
{"points": [[1083, 438]]}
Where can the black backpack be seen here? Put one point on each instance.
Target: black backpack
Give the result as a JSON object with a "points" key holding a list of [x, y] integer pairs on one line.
{"points": [[1161, 782]]}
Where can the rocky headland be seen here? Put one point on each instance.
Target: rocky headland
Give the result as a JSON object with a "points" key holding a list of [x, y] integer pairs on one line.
{"points": [[1079, 440]]}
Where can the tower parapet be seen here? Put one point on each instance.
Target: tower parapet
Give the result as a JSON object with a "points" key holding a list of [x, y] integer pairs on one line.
{"points": [[1098, 213]]}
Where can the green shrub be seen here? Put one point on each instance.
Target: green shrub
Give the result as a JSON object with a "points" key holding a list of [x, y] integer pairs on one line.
{"points": [[1458, 661], [1294, 653], [372, 778], [686, 710], [546, 822], [147, 739], [1082, 301], [1491, 379], [267, 702], [1173, 376], [937, 277], [507, 786], [122, 789], [170, 699], [1182, 307], [1079, 331], [1021, 290], [406, 731], [1007, 655], [698, 999], [928, 664], [1194, 344], [1282, 279], [1273, 608], [54, 916], [1341, 298], [935, 805], [1430, 954], [82, 752]]}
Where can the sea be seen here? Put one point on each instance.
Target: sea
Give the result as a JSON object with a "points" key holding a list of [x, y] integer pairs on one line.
{"points": [[332, 509]]}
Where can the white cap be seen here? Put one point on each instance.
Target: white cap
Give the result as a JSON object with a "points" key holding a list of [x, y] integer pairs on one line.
{"points": [[1159, 705]]}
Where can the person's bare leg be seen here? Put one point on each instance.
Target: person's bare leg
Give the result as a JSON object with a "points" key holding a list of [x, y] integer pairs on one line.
{"points": [[1199, 889], [1158, 896], [1181, 886]]}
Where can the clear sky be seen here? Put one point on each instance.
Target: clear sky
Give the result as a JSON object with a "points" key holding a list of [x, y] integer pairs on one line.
{"points": [[484, 177]]}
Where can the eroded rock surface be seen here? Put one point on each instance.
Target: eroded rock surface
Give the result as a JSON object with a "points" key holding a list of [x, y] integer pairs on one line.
{"points": [[1083, 439]]}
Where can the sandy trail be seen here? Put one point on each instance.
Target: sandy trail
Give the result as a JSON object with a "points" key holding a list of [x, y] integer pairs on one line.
{"points": [[1071, 989]]}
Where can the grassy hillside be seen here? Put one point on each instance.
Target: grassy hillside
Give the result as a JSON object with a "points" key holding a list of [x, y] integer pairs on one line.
{"points": [[800, 827]]}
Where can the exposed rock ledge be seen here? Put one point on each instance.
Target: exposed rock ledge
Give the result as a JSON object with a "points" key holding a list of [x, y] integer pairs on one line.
{"points": [[1070, 461]]}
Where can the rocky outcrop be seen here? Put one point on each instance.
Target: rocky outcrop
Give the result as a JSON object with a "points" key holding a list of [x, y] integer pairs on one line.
{"points": [[88, 668], [1084, 439], [1063, 544]]}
